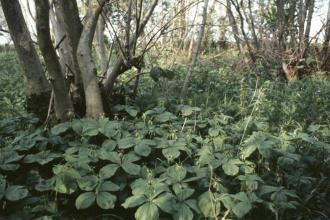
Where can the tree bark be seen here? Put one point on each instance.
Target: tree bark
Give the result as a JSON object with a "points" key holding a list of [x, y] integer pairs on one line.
{"points": [[252, 25], [120, 65], [100, 45], [196, 50], [94, 105], [233, 25], [61, 40], [37, 89], [73, 28], [311, 5], [326, 44], [63, 105]]}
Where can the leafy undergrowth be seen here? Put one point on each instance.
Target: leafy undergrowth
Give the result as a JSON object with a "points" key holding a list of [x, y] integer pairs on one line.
{"points": [[12, 100], [252, 148]]}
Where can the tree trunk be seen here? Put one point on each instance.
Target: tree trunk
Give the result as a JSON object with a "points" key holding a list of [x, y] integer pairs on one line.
{"points": [[233, 25], [100, 45], [311, 4], [61, 40], [252, 26], [94, 105], [196, 50], [326, 44], [63, 105], [37, 89], [73, 28], [120, 66], [280, 23]]}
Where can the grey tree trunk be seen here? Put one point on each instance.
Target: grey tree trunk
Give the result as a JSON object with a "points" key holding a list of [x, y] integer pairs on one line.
{"points": [[326, 44], [311, 6], [61, 40], [63, 105], [233, 25], [94, 105], [252, 26], [196, 50], [73, 28], [100, 45], [38, 89], [280, 4]]}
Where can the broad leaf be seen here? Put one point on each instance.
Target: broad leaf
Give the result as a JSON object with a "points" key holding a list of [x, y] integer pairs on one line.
{"points": [[148, 211], [134, 201], [106, 200], [85, 200], [15, 193], [108, 171]]}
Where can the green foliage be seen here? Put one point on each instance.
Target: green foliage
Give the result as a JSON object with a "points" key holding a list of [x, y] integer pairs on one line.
{"points": [[12, 99], [240, 146]]}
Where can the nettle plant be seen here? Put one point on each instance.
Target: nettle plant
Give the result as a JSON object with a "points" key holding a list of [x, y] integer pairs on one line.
{"points": [[162, 165]]}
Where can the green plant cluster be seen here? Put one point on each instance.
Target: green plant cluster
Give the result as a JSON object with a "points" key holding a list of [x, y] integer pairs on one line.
{"points": [[12, 99], [252, 148], [162, 165]]}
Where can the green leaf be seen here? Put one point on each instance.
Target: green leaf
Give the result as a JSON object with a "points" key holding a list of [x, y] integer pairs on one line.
{"points": [[130, 158], [208, 205], [131, 111], [165, 117], [106, 200], [77, 126], [183, 213], [90, 127], [108, 171], [177, 173], [227, 201], [142, 149], [65, 183], [85, 200], [230, 168], [125, 143], [111, 156], [148, 211], [171, 153], [41, 158], [242, 208], [134, 201], [109, 145], [131, 168], [247, 151], [108, 186], [15, 193], [266, 189], [88, 183], [164, 202], [182, 193], [60, 128], [7, 159], [213, 132]]}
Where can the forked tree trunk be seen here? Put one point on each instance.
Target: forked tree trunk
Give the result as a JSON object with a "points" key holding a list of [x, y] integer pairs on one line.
{"points": [[37, 90], [94, 105], [120, 66], [63, 105]]}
